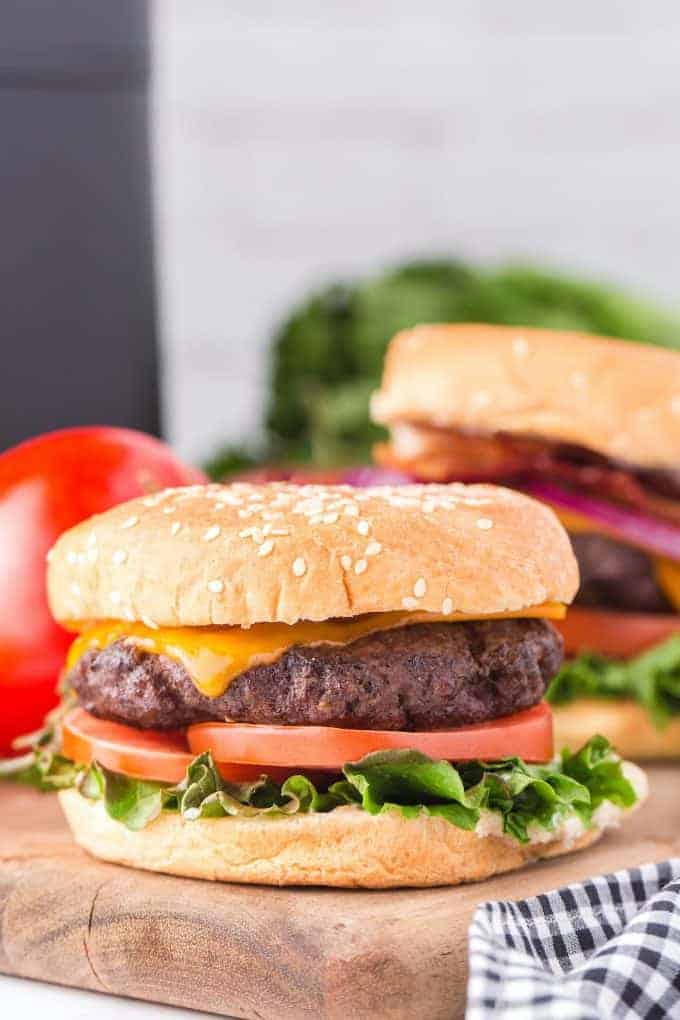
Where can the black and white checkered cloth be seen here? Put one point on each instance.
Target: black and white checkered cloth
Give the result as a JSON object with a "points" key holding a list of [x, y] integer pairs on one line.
{"points": [[607, 947]]}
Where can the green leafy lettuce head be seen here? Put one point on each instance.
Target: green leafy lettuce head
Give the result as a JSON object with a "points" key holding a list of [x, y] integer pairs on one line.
{"points": [[327, 356]]}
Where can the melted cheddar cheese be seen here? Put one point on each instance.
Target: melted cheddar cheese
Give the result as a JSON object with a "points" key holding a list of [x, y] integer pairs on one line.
{"points": [[214, 656], [668, 578]]}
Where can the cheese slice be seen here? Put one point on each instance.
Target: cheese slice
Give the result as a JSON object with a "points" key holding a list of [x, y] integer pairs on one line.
{"points": [[668, 578], [214, 656]]}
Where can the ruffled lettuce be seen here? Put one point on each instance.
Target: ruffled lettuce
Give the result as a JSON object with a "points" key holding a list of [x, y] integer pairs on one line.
{"points": [[405, 781], [652, 679]]}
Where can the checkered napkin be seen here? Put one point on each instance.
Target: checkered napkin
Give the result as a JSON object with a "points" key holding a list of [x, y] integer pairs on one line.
{"points": [[607, 947]]}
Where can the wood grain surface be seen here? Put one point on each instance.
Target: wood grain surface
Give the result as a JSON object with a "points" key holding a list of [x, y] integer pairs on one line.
{"points": [[256, 952]]}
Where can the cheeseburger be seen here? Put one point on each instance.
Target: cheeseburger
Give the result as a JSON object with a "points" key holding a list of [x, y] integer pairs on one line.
{"points": [[591, 426], [322, 685]]}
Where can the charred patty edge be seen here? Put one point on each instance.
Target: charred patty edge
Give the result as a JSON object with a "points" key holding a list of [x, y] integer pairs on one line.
{"points": [[424, 676]]}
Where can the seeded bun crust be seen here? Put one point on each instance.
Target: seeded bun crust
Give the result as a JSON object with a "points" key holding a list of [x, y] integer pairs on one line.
{"points": [[244, 554], [618, 398], [345, 848], [625, 724]]}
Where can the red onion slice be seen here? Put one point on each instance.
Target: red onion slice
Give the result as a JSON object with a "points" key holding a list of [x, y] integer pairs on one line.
{"points": [[637, 528]]}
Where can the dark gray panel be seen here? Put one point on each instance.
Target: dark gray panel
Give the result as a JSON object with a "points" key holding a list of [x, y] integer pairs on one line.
{"points": [[73, 39], [77, 326]]}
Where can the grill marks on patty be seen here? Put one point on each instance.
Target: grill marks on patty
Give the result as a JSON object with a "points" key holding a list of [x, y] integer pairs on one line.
{"points": [[425, 676], [616, 576]]}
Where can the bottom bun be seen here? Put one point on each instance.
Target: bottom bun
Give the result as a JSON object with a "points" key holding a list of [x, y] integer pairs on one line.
{"points": [[347, 847], [626, 724]]}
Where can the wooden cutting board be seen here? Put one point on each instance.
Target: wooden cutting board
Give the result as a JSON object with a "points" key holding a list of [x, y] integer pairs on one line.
{"points": [[257, 952]]}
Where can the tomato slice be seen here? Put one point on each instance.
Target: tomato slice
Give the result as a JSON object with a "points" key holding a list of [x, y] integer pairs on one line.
{"points": [[614, 634], [142, 754], [527, 734]]}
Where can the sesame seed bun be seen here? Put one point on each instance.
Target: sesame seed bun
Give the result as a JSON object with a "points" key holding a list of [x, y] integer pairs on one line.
{"points": [[617, 398], [626, 724], [346, 848], [244, 554]]}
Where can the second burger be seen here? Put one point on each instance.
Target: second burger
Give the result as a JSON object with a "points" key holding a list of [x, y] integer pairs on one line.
{"points": [[590, 426]]}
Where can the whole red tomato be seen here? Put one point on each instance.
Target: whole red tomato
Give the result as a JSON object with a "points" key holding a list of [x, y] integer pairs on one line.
{"points": [[47, 485]]}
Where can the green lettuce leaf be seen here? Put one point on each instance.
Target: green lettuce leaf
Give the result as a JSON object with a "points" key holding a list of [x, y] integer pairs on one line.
{"points": [[405, 781], [411, 783], [652, 679]]}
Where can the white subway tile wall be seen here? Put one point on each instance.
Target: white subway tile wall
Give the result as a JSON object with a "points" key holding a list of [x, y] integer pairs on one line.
{"points": [[294, 142]]}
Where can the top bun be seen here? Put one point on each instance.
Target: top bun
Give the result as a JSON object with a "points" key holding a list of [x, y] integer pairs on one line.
{"points": [[615, 397], [244, 554]]}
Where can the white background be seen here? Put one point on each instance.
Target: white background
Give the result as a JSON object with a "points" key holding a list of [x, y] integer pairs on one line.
{"points": [[296, 141]]}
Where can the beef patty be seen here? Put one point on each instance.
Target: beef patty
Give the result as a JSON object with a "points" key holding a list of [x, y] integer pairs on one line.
{"points": [[616, 576], [423, 676]]}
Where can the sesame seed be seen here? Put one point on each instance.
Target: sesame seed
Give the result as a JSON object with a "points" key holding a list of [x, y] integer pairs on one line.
{"points": [[75, 588], [578, 380], [363, 527], [148, 622], [360, 566], [129, 522], [279, 531], [330, 518], [351, 510], [420, 587], [211, 533], [169, 509], [520, 347], [447, 606], [175, 527], [128, 614], [373, 548], [265, 548], [119, 556], [216, 586], [346, 562], [115, 597], [299, 566], [316, 519], [409, 602], [484, 523]]}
